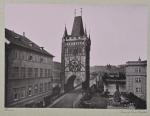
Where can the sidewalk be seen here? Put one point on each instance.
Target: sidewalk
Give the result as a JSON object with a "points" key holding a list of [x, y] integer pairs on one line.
{"points": [[76, 102]]}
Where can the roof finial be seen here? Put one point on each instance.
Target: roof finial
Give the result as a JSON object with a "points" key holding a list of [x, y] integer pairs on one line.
{"points": [[24, 34], [139, 58], [75, 12], [81, 11]]}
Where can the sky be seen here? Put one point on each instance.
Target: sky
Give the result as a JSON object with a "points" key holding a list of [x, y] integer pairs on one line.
{"points": [[118, 33]]}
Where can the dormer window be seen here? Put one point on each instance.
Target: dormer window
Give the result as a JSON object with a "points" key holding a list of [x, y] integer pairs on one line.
{"points": [[31, 44], [17, 37], [42, 48]]}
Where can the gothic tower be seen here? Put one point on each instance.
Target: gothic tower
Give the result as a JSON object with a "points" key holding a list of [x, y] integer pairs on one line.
{"points": [[75, 56]]}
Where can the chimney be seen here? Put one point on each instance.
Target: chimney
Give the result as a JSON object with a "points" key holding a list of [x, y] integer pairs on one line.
{"points": [[24, 34]]}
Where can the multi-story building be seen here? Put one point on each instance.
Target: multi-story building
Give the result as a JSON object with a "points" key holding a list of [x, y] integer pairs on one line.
{"points": [[136, 78], [28, 71], [76, 56], [57, 74]]}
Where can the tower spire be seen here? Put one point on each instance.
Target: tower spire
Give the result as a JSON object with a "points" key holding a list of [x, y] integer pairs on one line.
{"points": [[81, 11], [75, 12]]}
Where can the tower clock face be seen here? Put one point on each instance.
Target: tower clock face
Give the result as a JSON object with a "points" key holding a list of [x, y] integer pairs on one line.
{"points": [[74, 65]]}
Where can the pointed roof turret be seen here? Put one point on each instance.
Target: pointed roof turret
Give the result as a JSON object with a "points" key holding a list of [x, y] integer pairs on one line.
{"points": [[65, 32], [89, 39], [85, 32], [89, 36], [77, 29]]}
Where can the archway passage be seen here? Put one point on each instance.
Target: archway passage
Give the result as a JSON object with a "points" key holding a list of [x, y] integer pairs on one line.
{"points": [[70, 83]]}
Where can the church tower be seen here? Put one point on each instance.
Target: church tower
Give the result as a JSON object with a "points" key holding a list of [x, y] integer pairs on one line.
{"points": [[75, 56]]}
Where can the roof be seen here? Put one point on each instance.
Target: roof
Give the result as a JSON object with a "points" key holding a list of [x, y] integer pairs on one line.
{"points": [[24, 42], [136, 63], [77, 29]]}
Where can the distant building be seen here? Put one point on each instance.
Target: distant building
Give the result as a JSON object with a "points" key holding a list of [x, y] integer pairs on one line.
{"points": [[76, 56], [111, 70], [28, 74], [136, 78], [57, 74]]}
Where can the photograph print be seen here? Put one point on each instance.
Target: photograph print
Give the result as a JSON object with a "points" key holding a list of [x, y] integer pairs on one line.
{"points": [[76, 56]]}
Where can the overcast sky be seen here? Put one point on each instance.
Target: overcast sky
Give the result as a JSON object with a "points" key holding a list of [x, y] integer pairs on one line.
{"points": [[118, 33]]}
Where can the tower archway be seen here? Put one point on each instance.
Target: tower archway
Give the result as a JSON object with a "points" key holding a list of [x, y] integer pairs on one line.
{"points": [[70, 83]]}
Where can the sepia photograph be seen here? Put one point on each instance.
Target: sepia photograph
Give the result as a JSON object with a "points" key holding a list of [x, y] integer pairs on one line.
{"points": [[76, 56]]}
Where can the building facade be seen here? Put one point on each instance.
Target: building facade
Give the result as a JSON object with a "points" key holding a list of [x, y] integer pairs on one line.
{"points": [[76, 56], [28, 71], [136, 73], [57, 74]]}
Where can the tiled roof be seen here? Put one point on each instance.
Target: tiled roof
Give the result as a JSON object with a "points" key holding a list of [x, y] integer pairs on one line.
{"points": [[77, 29], [24, 42]]}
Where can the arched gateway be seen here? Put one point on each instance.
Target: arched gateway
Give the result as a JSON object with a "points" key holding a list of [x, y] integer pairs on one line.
{"points": [[70, 83], [75, 56]]}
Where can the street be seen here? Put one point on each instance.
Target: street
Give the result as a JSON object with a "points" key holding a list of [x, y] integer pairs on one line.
{"points": [[68, 100]]}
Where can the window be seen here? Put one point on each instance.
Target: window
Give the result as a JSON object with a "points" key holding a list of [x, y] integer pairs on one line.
{"points": [[30, 58], [16, 93], [138, 90], [45, 87], [35, 72], [41, 87], [49, 85], [30, 91], [23, 56], [30, 72], [15, 72], [41, 72], [49, 73], [15, 54], [23, 73], [41, 59], [137, 80], [36, 89], [22, 92], [46, 73], [139, 70]]}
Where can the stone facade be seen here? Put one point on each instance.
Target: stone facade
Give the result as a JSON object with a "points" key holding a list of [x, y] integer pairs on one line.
{"points": [[76, 56], [136, 73], [28, 71], [57, 74]]}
